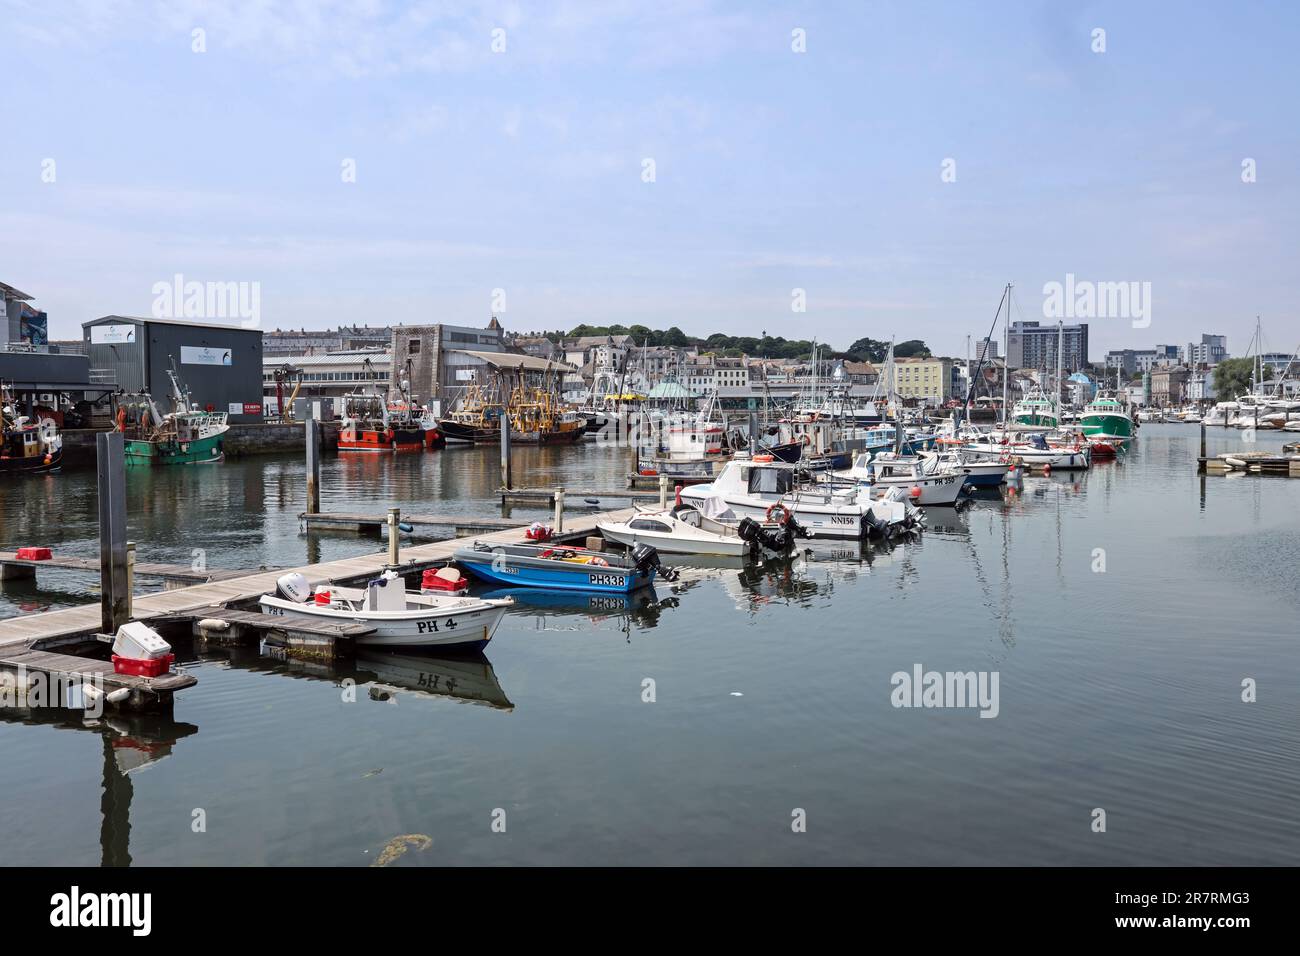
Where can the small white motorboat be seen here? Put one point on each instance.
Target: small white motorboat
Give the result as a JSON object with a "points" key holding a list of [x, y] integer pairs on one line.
{"points": [[401, 618], [712, 528]]}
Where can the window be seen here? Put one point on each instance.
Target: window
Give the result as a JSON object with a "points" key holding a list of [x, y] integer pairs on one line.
{"points": [[769, 481], [645, 524], [413, 346]]}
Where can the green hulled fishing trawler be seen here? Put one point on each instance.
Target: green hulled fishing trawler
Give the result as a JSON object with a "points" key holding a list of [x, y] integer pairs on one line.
{"points": [[183, 436], [1106, 417]]}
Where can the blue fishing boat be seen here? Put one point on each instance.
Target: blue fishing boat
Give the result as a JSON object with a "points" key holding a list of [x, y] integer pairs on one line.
{"points": [[559, 567]]}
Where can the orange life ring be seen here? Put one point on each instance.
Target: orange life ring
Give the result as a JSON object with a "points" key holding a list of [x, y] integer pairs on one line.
{"points": [[785, 512], [806, 439], [764, 458]]}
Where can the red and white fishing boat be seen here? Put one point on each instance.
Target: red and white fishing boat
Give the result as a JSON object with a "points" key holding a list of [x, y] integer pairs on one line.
{"points": [[368, 426]]}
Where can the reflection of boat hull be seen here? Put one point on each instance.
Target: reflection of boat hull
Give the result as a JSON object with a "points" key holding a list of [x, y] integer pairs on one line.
{"points": [[33, 465], [467, 678], [173, 452]]}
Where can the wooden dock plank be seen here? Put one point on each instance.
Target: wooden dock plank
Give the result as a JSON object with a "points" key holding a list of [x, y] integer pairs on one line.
{"points": [[31, 630], [176, 572]]}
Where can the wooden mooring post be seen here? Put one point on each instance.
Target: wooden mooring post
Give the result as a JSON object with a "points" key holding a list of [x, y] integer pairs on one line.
{"points": [[394, 538], [114, 580], [313, 437], [505, 453], [1200, 466]]}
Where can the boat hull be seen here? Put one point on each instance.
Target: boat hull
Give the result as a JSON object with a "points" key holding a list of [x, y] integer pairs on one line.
{"points": [[371, 440], [33, 465], [1102, 425], [518, 571], [675, 544], [200, 451], [436, 627]]}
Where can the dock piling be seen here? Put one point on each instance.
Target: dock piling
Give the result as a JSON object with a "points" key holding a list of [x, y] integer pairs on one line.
{"points": [[505, 453], [115, 596], [313, 436], [753, 433], [1201, 464], [663, 490], [559, 510], [394, 538]]}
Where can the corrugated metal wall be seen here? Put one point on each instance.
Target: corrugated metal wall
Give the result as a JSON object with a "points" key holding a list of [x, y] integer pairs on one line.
{"points": [[125, 360], [217, 386]]}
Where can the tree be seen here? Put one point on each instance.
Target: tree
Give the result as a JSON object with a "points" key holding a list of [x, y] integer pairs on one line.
{"points": [[869, 349], [1232, 377], [912, 348]]}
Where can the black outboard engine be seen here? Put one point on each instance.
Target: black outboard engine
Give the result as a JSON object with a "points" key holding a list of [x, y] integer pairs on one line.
{"points": [[779, 541], [645, 559], [873, 527]]}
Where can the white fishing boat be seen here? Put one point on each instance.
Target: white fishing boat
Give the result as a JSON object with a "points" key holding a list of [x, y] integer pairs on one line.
{"points": [[401, 618], [1036, 453], [712, 529], [927, 481], [757, 487]]}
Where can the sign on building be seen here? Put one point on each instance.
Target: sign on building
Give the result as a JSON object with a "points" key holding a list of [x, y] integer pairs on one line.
{"points": [[202, 355], [112, 334]]}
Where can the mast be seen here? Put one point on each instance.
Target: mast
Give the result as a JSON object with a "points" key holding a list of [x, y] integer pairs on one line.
{"points": [[1060, 344], [1006, 359]]}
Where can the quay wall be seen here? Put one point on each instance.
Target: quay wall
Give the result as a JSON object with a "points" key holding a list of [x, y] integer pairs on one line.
{"points": [[259, 438]]}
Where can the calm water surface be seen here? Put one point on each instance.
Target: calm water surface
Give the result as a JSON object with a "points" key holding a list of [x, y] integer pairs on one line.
{"points": [[1119, 690]]}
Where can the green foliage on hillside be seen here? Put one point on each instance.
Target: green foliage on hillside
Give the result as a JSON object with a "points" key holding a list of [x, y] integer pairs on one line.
{"points": [[762, 346]]}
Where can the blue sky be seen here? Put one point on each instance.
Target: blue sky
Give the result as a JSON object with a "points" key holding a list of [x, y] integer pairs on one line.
{"points": [[774, 170]]}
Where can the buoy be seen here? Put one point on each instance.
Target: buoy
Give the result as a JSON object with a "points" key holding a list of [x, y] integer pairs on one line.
{"points": [[405, 527], [214, 624], [1047, 469], [916, 491], [678, 497]]}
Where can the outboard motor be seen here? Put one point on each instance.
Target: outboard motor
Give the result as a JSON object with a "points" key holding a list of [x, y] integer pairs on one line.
{"points": [[873, 527], [645, 559], [778, 541], [294, 587]]}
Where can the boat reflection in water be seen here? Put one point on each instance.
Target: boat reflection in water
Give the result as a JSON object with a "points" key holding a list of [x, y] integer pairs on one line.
{"points": [[132, 742], [468, 677], [642, 607]]}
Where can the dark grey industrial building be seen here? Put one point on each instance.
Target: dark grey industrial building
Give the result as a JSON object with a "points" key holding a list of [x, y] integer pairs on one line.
{"points": [[221, 365]]}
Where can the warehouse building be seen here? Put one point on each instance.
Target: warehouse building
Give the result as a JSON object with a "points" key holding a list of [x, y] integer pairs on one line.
{"points": [[220, 365]]}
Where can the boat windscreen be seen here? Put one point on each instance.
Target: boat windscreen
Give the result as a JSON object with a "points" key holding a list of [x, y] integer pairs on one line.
{"points": [[770, 481]]}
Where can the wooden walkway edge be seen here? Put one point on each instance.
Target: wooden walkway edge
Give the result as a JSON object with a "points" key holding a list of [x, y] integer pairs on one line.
{"points": [[56, 628]]}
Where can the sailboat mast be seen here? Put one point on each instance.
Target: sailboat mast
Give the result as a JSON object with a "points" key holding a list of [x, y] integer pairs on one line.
{"points": [[1006, 357], [1060, 344]]}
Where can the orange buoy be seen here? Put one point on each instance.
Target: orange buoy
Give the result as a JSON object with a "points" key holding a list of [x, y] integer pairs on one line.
{"points": [[916, 491]]}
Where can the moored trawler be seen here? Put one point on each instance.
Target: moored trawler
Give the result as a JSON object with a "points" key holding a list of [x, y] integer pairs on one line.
{"points": [[1106, 417], [367, 427], [1035, 409], [536, 417], [183, 436], [27, 447]]}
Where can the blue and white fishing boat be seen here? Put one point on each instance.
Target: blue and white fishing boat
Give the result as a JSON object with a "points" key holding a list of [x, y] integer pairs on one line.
{"points": [[979, 474], [559, 567]]}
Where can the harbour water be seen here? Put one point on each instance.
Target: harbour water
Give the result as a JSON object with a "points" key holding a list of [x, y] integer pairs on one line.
{"points": [[1122, 609]]}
